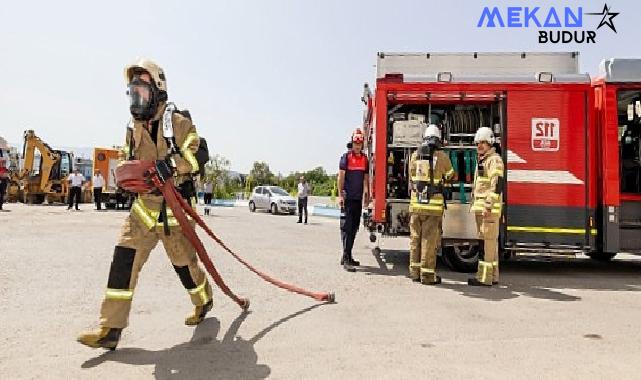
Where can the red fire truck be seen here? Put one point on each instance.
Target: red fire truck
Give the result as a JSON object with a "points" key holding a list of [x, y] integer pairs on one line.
{"points": [[571, 144]]}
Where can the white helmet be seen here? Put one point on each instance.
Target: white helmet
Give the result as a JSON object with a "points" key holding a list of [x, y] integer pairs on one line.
{"points": [[432, 131], [484, 134], [155, 71]]}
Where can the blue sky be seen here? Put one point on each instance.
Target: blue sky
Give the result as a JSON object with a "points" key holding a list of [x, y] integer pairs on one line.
{"points": [[278, 81]]}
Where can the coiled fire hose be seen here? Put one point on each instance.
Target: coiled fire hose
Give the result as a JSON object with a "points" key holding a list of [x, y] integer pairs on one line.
{"points": [[142, 176]]}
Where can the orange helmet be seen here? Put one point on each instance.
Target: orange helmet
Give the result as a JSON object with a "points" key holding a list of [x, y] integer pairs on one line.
{"points": [[357, 136]]}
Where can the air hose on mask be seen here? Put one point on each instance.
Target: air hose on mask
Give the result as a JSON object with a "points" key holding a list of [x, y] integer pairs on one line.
{"points": [[145, 176]]}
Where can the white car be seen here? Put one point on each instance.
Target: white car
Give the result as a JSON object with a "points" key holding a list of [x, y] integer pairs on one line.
{"points": [[272, 198]]}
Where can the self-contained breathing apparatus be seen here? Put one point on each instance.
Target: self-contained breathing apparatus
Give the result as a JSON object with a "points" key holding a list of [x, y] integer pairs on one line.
{"points": [[425, 154]]}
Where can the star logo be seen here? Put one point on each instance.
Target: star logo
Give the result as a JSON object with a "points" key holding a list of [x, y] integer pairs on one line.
{"points": [[607, 17]]}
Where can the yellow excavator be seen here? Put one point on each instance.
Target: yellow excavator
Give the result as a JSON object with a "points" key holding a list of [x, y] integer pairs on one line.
{"points": [[46, 179]]}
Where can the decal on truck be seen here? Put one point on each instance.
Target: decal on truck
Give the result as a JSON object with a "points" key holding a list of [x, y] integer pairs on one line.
{"points": [[545, 135]]}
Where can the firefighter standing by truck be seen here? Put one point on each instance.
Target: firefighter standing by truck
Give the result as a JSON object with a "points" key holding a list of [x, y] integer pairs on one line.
{"points": [[429, 169], [353, 185], [150, 220], [488, 201]]}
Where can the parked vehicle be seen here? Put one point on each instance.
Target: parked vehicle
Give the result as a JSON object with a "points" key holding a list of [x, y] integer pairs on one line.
{"points": [[106, 161], [272, 198], [570, 143]]}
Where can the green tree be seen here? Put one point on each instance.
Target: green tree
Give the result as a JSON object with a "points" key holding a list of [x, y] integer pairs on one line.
{"points": [[261, 175], [217, 172]]}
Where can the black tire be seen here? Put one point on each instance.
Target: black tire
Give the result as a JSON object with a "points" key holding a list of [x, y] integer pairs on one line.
{"points": [[462, 259], [252, 206], [602, 256], [292, 213], [274, 209]]}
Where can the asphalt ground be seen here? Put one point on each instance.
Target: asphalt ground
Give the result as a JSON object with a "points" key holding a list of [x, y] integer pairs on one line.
{"points": [[572, 319]]}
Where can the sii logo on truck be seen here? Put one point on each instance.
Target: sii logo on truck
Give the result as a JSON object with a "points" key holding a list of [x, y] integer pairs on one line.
{"points": [[545, 135]]}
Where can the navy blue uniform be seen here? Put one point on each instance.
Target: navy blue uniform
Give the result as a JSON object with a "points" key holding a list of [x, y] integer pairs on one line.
{"points": [[356, 168]]}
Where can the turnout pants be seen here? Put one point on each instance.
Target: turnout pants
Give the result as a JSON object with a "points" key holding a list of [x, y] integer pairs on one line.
{"points": [[488, 229], [97, 197], [425, 236], [131, 253], [349, 225], [302, 206]]}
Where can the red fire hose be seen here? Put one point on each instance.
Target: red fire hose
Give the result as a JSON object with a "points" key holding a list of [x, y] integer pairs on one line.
{"points": [[142, 177]]}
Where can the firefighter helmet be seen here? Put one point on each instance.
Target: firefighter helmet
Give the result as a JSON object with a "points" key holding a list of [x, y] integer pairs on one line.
{"points": [[484, 134], [357, 136], [145, 64], [145, 97], [432, 131]]}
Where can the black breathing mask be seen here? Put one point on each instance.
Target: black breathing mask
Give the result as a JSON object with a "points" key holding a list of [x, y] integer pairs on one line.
{"points": [[429, 146], [143, 99]]}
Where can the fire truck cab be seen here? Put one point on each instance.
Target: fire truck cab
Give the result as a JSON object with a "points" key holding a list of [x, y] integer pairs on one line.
{"points": [[570, 145], [617, 94]]}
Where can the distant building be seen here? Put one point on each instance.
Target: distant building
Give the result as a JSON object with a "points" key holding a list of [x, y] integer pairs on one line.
{"points": [[85, 166]]}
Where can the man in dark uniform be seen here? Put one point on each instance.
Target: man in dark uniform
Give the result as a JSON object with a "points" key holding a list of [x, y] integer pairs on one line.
{"points": [[354, 192], [4, 183]]}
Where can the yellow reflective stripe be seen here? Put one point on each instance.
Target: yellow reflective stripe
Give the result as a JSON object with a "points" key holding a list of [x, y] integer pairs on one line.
{"points": [[415, 265], [427, 270], [494, 196], [495, 264], [450, 173], [187, 153], [143, 214], [119, 294], [496, 173], [189, 156], [424, 179], [433, 201], [554, 230], [188, 140], [201, 291], [172, 222], [482, 179], [427, 207], [150, 217], [484, 265]]}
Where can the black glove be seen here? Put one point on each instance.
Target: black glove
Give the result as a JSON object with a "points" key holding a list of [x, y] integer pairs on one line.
{"points": [[164, 170]]}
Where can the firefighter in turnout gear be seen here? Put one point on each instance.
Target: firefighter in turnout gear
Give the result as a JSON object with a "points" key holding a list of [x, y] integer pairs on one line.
{"points": [[150, 137], [488, 201], [429, 169]]}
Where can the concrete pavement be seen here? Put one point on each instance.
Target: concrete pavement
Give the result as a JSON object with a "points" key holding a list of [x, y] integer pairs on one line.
{"points": [[561, 319]]}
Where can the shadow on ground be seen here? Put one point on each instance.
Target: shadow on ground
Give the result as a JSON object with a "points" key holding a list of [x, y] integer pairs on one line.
{"points": [[550, 279], [204, 356]]}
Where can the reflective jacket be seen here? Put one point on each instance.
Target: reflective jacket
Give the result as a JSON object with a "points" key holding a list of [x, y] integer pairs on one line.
{"points": [[141, 146], [420, 174], [488, 183]]}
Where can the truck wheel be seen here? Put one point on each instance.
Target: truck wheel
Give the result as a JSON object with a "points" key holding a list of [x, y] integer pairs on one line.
{"points": [[274, 209], [462, 258], [602, 256], [252, 206]]}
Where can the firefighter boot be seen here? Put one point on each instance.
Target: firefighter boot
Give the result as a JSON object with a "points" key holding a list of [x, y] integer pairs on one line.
{"points": [[199, 314], [431, 281], [106, 337], [475, 282]]}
